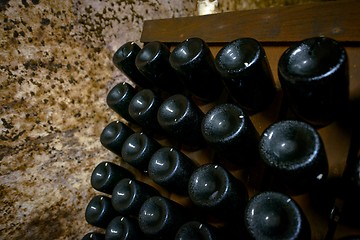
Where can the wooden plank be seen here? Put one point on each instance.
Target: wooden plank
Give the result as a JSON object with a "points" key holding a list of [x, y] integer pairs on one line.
{"points": [[337, 19]]}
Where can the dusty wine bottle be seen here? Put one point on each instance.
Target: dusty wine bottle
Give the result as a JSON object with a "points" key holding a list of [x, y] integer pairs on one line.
{"points": [[230, 132], [114, 135], [143, 109], [213, 189], [124, 60], [124, 228], [171, 169], [181, 119], [99, 211], [94, 236], [246, 73], [153, 62], [194, 63], [118, 99], [273, 215], [294, 153], [314, 76], [160, 218], [106, 175], [138, 149], [195, 230], [129, 194]]}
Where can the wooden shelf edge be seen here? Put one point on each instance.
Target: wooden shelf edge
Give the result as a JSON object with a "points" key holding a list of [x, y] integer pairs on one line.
{"points": [[336, 19]]}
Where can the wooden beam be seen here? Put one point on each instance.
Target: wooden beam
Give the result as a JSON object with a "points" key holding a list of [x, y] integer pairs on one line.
{"points": [[336, 19]]}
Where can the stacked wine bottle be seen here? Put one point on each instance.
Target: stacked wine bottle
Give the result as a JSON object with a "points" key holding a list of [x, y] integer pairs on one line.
{"points": [[185, 126]]}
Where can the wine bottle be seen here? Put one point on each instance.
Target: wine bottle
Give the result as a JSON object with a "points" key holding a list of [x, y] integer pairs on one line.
{"points": [[153, 62], [195, 230], [106, 175], [143, 108], [138, 149], [118, 99], [294, 153], [274, 215], [181, 119], [314, 76], [124, 228], [171, 169], [194, 63], [124, 60], [214, 190], [114, 135], [160, 217], [246, 73], [94, 236], [129, 194], [230, 132], [99, 211]]}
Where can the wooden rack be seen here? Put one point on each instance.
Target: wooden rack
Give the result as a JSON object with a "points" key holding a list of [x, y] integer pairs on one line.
{"points": [[276, 28]]}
